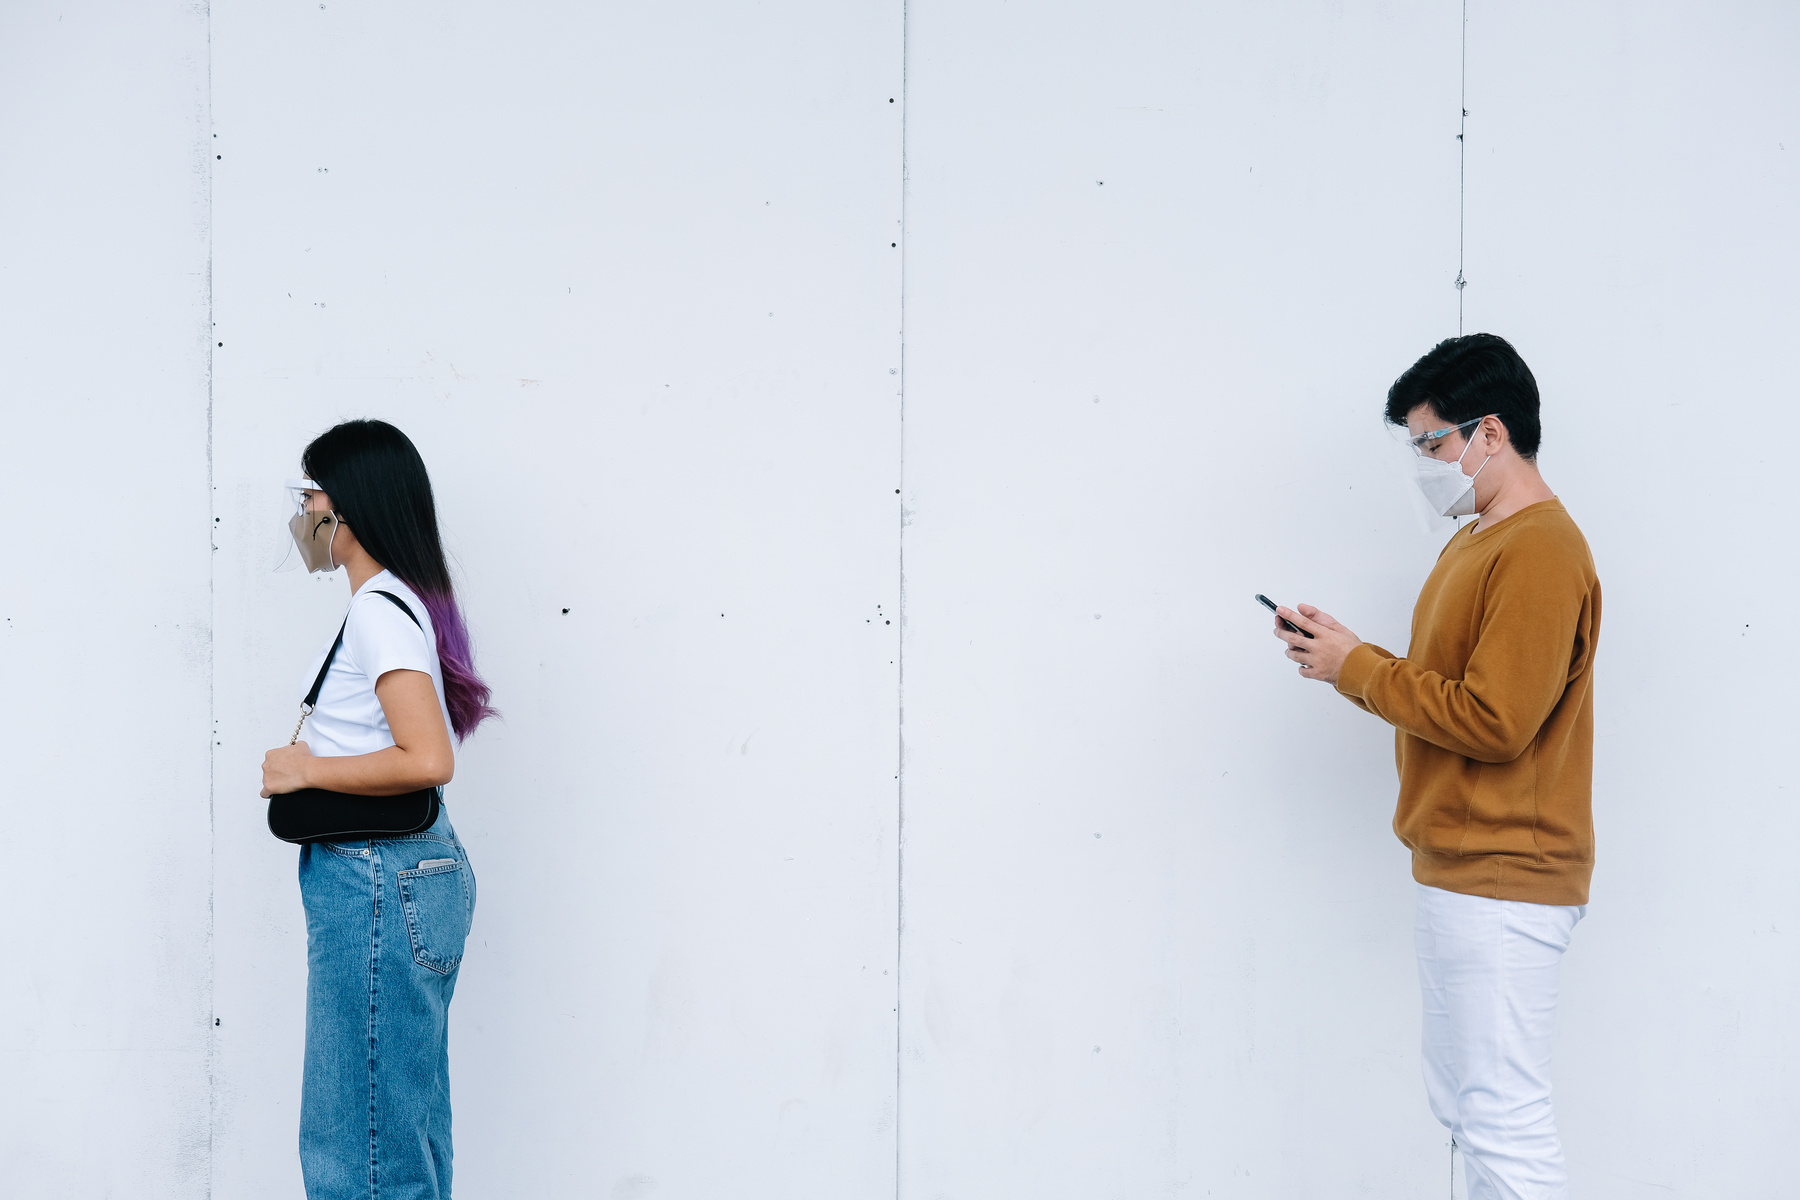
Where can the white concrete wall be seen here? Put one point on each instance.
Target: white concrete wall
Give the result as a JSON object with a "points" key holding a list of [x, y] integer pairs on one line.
{"points": [[105, 654], [633, 281], [627, 277], [1633, 222], [1159, 275], [1158, 934]]}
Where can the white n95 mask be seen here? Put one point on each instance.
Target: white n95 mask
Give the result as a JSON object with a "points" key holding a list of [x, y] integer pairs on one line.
{"points": [[1449, 492], [313, 531]]}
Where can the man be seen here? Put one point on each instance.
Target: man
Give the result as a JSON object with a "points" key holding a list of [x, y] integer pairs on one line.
{"points": [[1493, 714]]}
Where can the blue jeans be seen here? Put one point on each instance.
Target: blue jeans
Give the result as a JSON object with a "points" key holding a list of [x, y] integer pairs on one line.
{"points": [[384, 937]]}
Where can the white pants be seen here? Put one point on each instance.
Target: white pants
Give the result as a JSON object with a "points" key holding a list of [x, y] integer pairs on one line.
{"points": [[1487, 970]]}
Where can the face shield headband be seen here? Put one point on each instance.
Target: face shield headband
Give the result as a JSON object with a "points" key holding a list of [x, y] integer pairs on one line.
{"points": [[313, 531]]}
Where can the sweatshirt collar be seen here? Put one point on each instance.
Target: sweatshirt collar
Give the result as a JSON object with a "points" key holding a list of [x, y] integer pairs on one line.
{"points": [[1553, 504]]}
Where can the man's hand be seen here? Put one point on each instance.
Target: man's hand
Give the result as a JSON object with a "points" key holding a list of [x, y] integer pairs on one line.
{"points": [[284, 769], [1321, 656]]}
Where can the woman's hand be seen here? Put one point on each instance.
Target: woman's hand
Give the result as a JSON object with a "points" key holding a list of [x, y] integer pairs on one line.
{"points": [[1321, 656], [286, 769]]}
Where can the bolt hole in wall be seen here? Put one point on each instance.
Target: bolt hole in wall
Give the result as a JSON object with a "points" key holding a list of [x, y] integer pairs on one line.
{"points": [[688, 976]]}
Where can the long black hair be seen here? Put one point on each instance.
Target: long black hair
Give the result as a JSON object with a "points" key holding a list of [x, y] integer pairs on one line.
{"points": [[379, 488]]}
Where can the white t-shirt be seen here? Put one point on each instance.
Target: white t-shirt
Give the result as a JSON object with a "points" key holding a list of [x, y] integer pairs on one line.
{"points": [[378, 638]]}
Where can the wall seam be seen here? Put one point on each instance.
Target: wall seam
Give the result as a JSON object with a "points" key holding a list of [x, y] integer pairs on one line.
{"points": [[900, 649], [1462, 158], [212, 675], [1462, 283]]}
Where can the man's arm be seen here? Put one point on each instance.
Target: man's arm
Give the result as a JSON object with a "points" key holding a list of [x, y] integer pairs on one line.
{"points": [[1514, 677], [1358, 700]]}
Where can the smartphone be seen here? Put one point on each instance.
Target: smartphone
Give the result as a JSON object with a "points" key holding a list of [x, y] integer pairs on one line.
{"points": [[1285, 623]]}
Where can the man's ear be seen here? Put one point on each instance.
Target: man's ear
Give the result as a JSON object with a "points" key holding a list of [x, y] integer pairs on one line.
{"points": [[1494, 431]]}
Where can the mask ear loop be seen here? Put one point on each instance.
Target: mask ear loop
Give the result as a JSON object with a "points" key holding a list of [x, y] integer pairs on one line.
{"points": [[337, 520], [1472, 478]]}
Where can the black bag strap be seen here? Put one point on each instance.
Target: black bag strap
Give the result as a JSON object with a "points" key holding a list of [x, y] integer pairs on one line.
{"points": [[312, 697], [401, 605]]}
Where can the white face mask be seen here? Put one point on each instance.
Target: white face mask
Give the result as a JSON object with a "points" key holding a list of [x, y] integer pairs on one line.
{"points": [[1448, 491]]}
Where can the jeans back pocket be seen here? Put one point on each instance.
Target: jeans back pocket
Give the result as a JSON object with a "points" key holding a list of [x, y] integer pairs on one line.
{"points": [[438, 906]]}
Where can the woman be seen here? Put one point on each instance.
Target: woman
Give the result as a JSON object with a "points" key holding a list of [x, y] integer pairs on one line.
{"points": [[385, 919]]}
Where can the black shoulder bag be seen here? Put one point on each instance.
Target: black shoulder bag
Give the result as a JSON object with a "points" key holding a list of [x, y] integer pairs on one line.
{"points": [[316, 815]]}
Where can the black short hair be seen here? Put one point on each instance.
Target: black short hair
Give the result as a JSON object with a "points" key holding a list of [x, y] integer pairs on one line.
{"points": [[1466, 377]]}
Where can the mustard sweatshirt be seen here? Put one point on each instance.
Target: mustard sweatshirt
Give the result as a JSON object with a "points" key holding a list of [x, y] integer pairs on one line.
{"points": [[1493, 711]]}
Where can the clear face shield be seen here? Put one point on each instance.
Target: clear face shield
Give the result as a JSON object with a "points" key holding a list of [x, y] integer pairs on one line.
{"points": [[314, 527], [1431, 442]]}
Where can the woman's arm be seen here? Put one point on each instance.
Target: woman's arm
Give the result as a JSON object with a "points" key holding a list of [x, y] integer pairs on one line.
{"points": [[419, 758]]}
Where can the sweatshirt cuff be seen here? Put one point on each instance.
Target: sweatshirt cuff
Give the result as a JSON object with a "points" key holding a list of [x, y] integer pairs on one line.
{"points": [[1359, 667]]}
